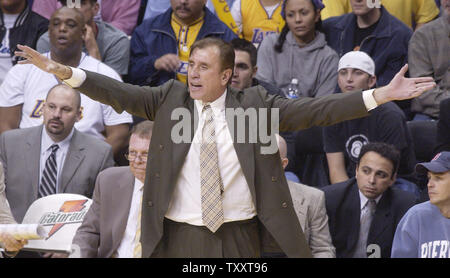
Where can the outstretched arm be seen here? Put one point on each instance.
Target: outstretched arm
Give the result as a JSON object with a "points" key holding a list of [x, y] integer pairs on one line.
{"points": [[140, 101]]}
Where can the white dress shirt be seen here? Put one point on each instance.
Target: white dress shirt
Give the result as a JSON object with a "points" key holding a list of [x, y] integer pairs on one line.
{"points": [[61, 153], [126, 247], [365, 200], [185, 205]]}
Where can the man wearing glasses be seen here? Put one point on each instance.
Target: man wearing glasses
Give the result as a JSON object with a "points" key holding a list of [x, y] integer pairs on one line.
{"points": [[111, 228]]}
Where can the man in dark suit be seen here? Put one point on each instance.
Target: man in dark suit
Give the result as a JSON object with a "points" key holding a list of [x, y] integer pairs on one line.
{"points": [[355, 234], [251, 195], [111, 226], [443, 127], [75, 158]]}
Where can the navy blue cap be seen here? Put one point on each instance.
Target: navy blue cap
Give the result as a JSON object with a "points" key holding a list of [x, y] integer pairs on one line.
{"points": [[439, 164]]}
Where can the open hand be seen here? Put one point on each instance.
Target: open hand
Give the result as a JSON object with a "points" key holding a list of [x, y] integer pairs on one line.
{"points": [[401, 88], [31, 56]]}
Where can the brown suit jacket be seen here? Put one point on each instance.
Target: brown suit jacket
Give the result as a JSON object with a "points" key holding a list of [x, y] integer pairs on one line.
{"points": [[103, 227], [263, 172]]}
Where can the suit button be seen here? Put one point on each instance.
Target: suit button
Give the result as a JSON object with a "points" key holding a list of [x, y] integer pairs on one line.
{"points": [[161, 147], [284, 205], [274, 179], [150, 203], [157, 175]]}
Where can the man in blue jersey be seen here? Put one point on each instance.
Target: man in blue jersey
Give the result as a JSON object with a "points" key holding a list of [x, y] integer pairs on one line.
{"points": [[424, 231]]}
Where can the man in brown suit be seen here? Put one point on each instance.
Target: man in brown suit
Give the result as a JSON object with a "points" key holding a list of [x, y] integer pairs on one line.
{"points": [[254, 194], [110, 227]]}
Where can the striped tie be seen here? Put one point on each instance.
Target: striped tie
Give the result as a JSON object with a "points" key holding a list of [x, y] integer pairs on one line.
{"points": [[211, 182], [49, 176], [137, 252]]}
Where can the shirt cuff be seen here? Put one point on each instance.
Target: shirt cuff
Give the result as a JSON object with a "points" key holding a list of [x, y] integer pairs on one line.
{"points": [[77, 78], [369, 100]]}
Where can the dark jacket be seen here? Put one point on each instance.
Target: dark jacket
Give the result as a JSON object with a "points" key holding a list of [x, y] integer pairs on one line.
{"points": [[155, 38], [344, 210], [388, 44], [27, 29]]}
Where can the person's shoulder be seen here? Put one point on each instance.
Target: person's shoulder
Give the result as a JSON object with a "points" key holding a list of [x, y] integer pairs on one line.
{"points": [[429, 29], [335, 21], [422, 210], [93, 144], [38, 19], [115, 172], [402, 197], [397, 26], [110, 31], [309, 192], [336, 188], [389, 110], [94, 65], [20, 134]]}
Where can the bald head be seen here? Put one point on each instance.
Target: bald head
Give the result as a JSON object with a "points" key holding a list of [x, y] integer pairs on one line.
{"points": [[75, 14], [62, 89], [282, 147]]}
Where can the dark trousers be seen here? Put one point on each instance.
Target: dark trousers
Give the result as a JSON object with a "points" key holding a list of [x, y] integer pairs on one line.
{"points": [[238, 239]]}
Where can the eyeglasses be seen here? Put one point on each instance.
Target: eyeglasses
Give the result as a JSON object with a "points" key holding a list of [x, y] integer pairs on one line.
{"points": [[132, 156]]}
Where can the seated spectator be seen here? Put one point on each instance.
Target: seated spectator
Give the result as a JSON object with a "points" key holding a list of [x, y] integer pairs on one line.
{"points": [[19, 25], [245, 68], [102, 41], [365, 210], [257, 19], [160, 46], [376, 32], [414, 13], [120, 14], [443, 127], [424, 230], [299, 55], [309, 205], [386, 123], [429, 50], [111, 228], [54, 157], [23, 93]]}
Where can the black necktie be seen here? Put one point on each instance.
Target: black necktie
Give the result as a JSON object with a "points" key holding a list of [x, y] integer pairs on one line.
{"points": [[49, 176]]}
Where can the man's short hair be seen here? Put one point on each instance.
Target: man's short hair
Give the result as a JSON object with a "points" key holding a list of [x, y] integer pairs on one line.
{"points": [[143, 129], [68, 88], [245, 45], [385, 150], [226, 50]]}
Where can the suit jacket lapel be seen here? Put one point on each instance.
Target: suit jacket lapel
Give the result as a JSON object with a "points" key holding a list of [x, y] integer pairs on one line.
{"points": [[180, 151], [354, 209], [32, 158], [73, 160], [121, 197], [244, 151], [382, 217]]}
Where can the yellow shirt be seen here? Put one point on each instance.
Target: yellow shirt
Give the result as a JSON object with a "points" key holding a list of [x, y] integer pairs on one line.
{"points": [[256, 23], [186, 36], [419, 11]]}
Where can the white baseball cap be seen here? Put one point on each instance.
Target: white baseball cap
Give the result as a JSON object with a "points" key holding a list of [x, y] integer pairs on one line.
{"points": [[357, 60]]}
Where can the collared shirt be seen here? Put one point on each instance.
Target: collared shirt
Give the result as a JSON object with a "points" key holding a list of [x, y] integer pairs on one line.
{"points": [[185, 205], [365, 200], [46, 143], [126, 247]]}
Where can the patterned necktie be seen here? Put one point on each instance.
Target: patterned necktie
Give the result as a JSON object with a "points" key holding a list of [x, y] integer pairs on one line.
{"points": [[137, 252], [211, 182], [366, 221], [49, 175]]}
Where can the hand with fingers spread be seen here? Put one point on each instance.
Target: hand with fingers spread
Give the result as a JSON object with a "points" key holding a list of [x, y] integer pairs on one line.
{"points": [[31, 56], [10, 243], [168, 62], [401, 88]]}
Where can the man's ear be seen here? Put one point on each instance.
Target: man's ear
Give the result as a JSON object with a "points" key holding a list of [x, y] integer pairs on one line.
{"points": [[372, 81], [255, 69], [226, 76]]}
